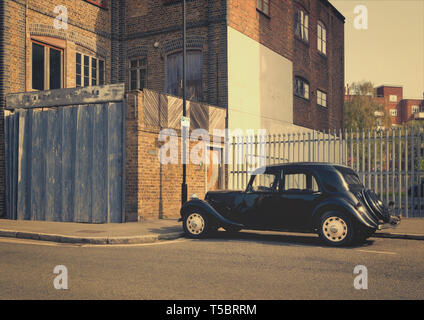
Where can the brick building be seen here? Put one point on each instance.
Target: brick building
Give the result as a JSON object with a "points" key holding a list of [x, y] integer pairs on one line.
{"points": [[401, 110], [271, 64]]}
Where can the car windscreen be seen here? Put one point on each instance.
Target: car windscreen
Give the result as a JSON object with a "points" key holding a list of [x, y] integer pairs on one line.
{"points": [[351, 178]]}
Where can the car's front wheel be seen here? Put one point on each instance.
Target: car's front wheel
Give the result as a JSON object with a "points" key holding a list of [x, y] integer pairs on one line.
{"points": [[336, 229], [195, 224]]}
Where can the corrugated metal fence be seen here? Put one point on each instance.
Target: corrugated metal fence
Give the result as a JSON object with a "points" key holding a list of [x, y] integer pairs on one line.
{"points": [[390, 162], [66, 163]]}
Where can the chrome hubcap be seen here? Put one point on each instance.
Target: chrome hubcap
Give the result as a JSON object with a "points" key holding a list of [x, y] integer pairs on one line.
{"points": [[195, 223], [334, 229]]}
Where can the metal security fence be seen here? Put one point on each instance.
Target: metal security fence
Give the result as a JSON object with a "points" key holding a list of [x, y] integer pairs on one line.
{"points": [[390, 162]]}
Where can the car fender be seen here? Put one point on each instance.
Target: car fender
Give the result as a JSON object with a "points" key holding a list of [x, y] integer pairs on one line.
{"points": [[208, 209], [340, 204]]}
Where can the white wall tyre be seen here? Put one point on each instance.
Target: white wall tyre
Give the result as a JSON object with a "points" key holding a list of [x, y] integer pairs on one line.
{"points": [[195, 224], [336, 229]]}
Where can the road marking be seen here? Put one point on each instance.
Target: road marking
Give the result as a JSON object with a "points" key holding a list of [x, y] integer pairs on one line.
{"points": [[382, 252], [81, 245]]}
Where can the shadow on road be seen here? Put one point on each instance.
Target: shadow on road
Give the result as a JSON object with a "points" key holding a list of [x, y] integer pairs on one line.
{"points": [[277, 239]]}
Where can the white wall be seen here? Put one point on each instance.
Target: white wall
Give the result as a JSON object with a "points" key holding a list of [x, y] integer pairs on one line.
{"points": [[260, 86]]}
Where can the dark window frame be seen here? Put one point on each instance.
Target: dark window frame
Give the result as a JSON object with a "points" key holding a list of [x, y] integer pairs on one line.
{"points": [[298, 16], [321, 40], [260, 6], [47, 65], [296, 89], [319, 101], [81, 80], [139, 68]]}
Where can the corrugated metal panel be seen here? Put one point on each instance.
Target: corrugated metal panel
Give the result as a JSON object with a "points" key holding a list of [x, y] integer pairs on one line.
{"points": [[66, 164]]}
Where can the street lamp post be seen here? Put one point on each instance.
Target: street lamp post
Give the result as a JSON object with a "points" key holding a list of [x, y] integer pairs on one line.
{"points": [[184, 128]]}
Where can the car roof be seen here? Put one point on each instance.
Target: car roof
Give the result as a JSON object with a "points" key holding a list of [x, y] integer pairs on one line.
{"points": [[300, 165]]}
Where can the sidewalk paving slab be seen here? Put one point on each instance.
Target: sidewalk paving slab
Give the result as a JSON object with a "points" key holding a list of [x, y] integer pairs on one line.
{"points": [[66, 232], [145, 232]]}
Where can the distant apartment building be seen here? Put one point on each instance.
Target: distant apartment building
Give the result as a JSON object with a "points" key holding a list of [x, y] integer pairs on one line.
{"points": [[271, 64], [400, 110]]}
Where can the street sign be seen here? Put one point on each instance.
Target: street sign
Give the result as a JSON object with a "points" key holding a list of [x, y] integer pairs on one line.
{"points": [[185, 122]]}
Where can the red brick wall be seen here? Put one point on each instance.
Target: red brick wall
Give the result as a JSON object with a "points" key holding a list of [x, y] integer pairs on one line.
{"points": [[406, 108], [273, 31], [323, 72], [384, 93], [151, 21], [153, 190]]}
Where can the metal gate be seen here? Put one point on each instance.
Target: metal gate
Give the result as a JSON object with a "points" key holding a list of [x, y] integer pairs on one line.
{"points": [[65, 155]]}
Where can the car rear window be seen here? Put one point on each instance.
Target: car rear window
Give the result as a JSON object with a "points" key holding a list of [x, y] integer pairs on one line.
{"points": [[350, 177]]}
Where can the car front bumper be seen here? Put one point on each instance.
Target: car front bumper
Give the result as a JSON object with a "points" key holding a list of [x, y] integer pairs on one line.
{"points": [[393, 223]]}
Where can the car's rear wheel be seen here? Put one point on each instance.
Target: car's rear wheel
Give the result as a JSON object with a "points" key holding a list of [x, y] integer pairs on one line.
{"points": [[336, 229], [196, 224]]}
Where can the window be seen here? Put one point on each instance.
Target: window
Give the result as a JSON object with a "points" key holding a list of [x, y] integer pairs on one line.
{"points": [[393, 98], [322, 38], [265, 183], [393, 112], [415, 109], [89, 71], [300, 182], [138, 72], [47, 67], [174, 72], [301, 88], [321, 98], [263, 6], [301, 24]]}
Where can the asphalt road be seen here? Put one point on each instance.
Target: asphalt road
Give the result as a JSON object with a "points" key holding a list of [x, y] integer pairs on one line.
{"points": [[242, 266]]}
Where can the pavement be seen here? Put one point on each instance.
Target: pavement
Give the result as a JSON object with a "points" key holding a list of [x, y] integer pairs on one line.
{"points": [[145, 231], [114, 233]]}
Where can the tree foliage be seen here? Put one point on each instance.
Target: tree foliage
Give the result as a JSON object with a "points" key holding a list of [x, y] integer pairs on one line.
{"points": [[362, 111]]}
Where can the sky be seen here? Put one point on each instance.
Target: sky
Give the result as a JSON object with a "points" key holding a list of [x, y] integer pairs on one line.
{"points": [[391, 50]]}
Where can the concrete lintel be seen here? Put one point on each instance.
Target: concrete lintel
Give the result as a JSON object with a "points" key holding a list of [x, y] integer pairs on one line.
{"points": [[66, 97]]}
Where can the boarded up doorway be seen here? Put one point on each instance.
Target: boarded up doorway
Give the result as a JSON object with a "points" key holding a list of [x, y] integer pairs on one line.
{"points": [[65, 155]]}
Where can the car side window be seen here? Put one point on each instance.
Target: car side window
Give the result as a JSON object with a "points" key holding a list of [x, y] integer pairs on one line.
{"points": [[301, 182], [265, 183]]}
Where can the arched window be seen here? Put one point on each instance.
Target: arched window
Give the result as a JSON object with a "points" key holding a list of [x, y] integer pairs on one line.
{"points": [[322, 38], [301, 88], [174, 74], [301, 24]]}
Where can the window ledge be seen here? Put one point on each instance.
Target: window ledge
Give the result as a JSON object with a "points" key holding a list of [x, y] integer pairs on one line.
{"points": [[322, 107], [299, 39], [322, 55], [302, 98], [97, 4], [266, 15]]}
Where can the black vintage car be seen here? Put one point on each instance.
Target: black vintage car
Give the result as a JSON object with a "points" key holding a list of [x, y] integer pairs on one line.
{"points": [[300, 197]]}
